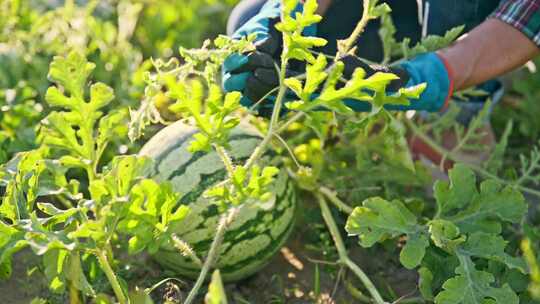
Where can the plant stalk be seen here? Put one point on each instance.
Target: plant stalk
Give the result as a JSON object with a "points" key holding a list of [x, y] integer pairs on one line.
{"points": [[342, 251], [73, 294], [259, 150], [348, 44], [225, 159], [90, 172], [65, 202], [185, 249], [224, 222], [332, 197], [106, 267]]}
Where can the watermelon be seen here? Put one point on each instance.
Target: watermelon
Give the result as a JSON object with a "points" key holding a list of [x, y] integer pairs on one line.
{"points": [[259, 230]]}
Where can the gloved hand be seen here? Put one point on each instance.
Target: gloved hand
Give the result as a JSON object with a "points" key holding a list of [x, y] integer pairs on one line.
{"points": [[429, 68], [434, 70], [254, 74]]}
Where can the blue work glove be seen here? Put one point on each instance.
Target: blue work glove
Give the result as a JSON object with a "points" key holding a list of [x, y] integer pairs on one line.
{"points": [[428, 68], [254, 74], [432, 69]]}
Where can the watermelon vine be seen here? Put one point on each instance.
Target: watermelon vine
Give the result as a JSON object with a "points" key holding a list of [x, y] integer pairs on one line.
{"points": [[219, 180]]}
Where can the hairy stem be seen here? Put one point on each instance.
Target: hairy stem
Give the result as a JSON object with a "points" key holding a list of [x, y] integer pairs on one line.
{"points": [[224, 222], [259, 150], [291, 120], [357, 293], [332, 197], [73, 294], [109, 272], [342, 251], [225, 158], [67, 203], [348, 44], [185, 249], [452, 156], [286, 146]]}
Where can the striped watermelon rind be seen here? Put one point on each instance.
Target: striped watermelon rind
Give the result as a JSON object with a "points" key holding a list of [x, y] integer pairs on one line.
{"points": [[259, 230]]}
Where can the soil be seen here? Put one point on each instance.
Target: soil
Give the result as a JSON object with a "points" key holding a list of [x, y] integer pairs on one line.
{"points": [[288, 278]]}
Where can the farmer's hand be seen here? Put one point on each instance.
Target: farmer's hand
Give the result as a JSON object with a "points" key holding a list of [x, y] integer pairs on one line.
{"points": [[255, 74], [429, 68]]}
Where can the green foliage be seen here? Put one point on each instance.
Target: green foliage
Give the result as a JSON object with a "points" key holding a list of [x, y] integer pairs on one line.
{"points": [[168, 24], [74, 131], [296, 46], [216, 291], [466, 227], [212, 117], [174, 81], [356, 88], [215, 115], [530, 253], [470, 286], [150, 215], [37, 33], [116, 35], [530, 166], [119, 201], [76, 207], [379, 219], [245, 187], [519, 105]]}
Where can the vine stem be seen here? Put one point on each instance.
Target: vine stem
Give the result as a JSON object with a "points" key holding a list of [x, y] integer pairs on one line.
{"points": [[185, 249], [259, 150], [358, 30], [65, 202], [451, 155], [291, 153], [225, 159], [342, 251], [224, 222], [292, 120], [91, 173], [332, 197], [73, 294], [106, 267], [525, 174]]}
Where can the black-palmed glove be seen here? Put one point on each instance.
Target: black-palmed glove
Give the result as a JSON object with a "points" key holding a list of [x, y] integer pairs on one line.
{"points": [[255, 74]]}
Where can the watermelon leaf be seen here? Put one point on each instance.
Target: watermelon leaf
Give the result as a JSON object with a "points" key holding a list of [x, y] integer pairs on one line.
{"points": [[216, 291], [244, 188], [72, 129], [466, 226], [293, 24], [473, 286], [379, 219]]}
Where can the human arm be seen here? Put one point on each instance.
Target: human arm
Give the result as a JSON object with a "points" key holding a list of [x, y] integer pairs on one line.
{"points": [[500, 44], [490, 50], [323, 6]]}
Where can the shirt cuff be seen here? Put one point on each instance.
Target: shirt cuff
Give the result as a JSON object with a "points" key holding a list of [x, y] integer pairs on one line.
{"points": [[523, 15]]}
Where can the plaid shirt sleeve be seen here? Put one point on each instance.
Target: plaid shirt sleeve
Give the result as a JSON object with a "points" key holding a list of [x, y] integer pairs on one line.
{"points": [[523, 15]]}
